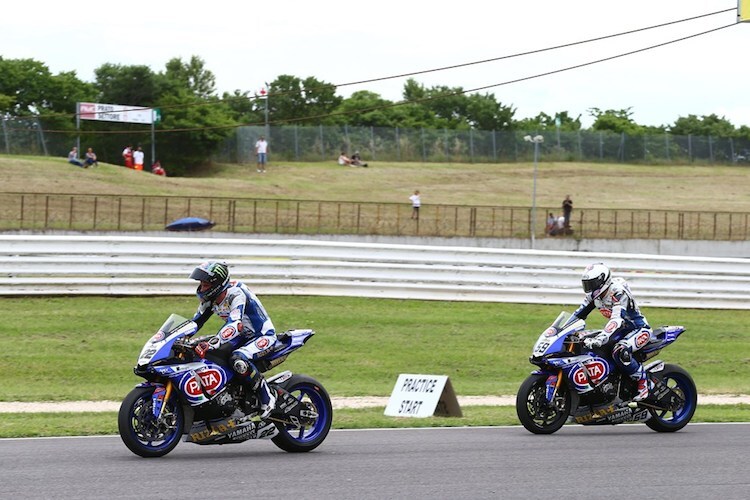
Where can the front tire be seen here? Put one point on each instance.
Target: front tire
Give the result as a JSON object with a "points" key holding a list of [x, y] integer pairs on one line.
{"points": [[535, 413], [311, 433], [680, 381], [141, 432]]}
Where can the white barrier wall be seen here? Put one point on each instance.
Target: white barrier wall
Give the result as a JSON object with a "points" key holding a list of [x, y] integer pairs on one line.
{"points": [[130, 265]]}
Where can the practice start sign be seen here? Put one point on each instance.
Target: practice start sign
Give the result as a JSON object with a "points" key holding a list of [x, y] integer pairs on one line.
{"points": [[423, 396]]}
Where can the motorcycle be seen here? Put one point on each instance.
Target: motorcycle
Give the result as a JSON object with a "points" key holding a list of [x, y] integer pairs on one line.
{"points": [[580, 385], [204, 401]]}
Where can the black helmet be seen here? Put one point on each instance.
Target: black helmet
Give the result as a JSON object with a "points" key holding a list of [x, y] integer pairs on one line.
{"points": [[216, 275]]}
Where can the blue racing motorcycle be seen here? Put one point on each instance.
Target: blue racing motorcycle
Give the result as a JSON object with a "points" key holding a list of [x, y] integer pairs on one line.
{"points": [[202, 399], [574, 384]]}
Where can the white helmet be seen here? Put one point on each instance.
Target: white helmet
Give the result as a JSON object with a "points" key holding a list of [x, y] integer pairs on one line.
{"points": [[596, 279]]}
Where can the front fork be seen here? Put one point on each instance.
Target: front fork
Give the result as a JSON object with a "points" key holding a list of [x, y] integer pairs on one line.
{"points": [[160, 397], [554, 381]]}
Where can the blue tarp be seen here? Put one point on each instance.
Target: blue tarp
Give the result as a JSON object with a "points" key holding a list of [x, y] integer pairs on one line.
{"points": [[190, 224]]}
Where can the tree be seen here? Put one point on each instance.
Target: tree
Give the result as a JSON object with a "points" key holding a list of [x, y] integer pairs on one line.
{"points": [[367, 109], [309, 101], [545, 122], [618, 121], [710, 125]]}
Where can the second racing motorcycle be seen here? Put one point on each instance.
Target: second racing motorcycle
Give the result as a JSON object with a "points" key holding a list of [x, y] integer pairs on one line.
{"points": [[575, 384]]}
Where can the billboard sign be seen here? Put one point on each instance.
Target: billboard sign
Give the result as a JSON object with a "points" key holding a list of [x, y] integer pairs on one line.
{"points": [[117, 113]]}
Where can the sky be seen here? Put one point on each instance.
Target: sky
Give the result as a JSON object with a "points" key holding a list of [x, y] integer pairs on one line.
{"points": [[245, 44]]}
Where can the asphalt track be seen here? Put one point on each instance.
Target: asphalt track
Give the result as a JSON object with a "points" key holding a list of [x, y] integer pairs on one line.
{"points": [[703, 461]]}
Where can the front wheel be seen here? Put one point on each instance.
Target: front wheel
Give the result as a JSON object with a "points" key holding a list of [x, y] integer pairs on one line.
{"points": [[535, 413], [315, 425], [684, 400], [141, 431]]}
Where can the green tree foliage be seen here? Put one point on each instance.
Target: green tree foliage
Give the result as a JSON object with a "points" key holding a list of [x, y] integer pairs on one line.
{"points": [[244, 108], [451, 108], [545, 122], [367, 109], [618, 121], [705, 126], [307, 102]]}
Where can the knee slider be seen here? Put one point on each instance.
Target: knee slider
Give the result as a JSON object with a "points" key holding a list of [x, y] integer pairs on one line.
{"points": [[242, 365], [622, 353]]}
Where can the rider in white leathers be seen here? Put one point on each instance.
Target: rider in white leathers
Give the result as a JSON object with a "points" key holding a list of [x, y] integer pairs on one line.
{"points": [[627, 328], [248, 331]]}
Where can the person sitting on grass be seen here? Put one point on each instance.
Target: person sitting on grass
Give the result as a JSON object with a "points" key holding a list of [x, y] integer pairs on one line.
{"points": [[345, 160], [90, 158], [73, 157], [357, 160]]}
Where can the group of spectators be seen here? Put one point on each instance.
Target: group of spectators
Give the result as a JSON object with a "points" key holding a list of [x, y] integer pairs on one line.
{"points": [[88, 161], [557, 226], [133, 158], [354, 161]]}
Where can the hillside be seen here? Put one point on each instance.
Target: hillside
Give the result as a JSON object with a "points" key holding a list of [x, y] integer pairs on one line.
{"points": [[710, 188]]}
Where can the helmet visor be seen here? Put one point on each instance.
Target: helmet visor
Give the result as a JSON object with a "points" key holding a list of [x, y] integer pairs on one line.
{"points": [[592, 284], [200, 275]]}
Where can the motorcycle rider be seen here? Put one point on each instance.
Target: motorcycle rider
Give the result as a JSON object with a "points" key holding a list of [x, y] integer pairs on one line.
{"points": [[627, 327], [248, 331]]}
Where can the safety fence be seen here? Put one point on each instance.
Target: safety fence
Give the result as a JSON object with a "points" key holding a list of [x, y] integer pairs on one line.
{"points": [[81, 212], [32, 135], [122, 265]]}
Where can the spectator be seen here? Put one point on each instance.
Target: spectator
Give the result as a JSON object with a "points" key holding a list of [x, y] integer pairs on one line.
{"points": [[357, 160], [567, 206], [416, 202], [157, 169], [138, 158], [344, 160], [550, 225], [91, 158], [73, 157], [261, 151], [127, 155]]}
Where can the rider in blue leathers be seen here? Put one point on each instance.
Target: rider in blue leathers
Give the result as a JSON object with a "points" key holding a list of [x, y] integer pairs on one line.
{"points": [[627, 327], [247, 331]]}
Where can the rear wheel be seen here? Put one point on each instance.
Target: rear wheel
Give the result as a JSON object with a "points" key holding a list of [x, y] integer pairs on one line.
{"points": [[534, 411], [141, 431], [316, 420], [682, 403]]}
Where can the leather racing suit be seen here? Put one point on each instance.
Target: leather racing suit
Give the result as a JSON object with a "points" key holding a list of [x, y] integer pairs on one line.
{"points": [[248, 332], [627, 328]]}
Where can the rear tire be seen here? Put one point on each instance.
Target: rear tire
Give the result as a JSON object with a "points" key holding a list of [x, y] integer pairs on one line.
{"points": [[680, 381], [536, 415], [306, 437]]}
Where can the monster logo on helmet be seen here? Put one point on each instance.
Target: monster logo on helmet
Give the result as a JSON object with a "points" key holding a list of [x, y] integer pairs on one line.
{"points": [[213, 277]]}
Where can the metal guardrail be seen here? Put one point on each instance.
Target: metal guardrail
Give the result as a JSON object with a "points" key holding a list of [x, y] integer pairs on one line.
{"points": [[123, 265]]}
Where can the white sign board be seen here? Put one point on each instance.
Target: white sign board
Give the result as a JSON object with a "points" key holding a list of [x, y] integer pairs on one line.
{"points": [[423, 396], [115, 113]]}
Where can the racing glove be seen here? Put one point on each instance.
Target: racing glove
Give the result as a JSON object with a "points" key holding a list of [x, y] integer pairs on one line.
{"points": [[202, 348], [596, 341]]}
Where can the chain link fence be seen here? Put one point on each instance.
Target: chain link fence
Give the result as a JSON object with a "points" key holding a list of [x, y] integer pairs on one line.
{"points": [[324, 143]]}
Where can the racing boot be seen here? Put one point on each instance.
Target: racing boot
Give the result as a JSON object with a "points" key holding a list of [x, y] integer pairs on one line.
{"points": [[267, 398], [255, 381], [643, 384]]}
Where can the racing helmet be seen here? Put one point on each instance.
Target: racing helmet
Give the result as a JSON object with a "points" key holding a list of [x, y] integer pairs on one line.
{"points": [[213, 277], [596, 280]]}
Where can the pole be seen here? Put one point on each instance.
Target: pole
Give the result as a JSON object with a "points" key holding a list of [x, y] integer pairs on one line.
{"points": [[78, 127], [268, 131], [533, 197], [536, 140]]}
